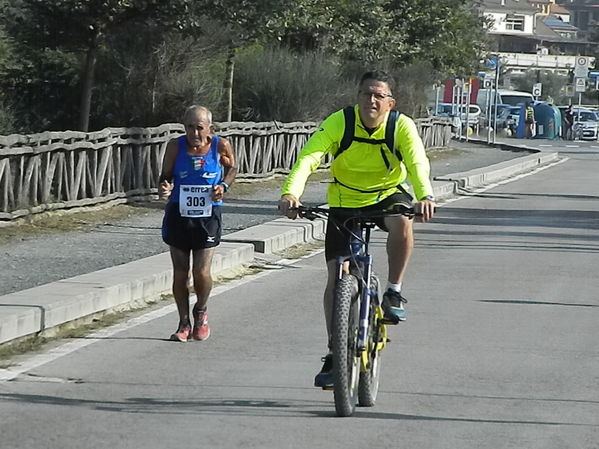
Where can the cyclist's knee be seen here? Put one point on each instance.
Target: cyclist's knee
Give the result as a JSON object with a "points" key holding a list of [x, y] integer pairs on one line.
{"points": [[399, 226]]}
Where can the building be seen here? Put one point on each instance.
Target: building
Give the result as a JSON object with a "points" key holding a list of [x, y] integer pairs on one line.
{"points": [[584, 14], [530, 34]]}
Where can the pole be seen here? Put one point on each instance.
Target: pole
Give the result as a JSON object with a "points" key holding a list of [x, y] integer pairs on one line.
{"points": [[488, 114], [468, 109], [495, 95]]}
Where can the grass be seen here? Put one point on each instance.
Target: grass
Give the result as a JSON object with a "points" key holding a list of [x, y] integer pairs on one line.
{"points": [[63, 221]]}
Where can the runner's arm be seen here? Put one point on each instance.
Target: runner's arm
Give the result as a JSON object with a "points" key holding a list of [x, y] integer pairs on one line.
{"points": [[227, 160], [165, 183]]}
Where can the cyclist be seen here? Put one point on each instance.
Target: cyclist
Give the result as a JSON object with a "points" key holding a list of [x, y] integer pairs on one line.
{"points": [[367, 174]]}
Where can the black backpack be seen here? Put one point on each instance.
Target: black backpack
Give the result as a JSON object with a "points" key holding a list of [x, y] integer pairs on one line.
{"points": [[349, 136]]}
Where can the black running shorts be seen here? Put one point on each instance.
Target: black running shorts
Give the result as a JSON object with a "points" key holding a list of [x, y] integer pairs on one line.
{"points": [[191, 233], [337, 239]]}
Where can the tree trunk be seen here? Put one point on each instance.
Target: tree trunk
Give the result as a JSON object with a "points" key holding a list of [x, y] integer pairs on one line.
{"points": [[228, 84], [87, 83]]}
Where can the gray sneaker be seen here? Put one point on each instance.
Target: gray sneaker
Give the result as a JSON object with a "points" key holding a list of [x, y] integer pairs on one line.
{"points": [[393, 307]]}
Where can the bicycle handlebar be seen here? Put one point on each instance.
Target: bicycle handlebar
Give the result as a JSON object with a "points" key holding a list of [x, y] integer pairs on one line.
{"points": [[312, 213]]}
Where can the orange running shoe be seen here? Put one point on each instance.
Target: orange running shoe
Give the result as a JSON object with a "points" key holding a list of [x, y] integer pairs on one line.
{"points": [[201, 329], [183, 333]]}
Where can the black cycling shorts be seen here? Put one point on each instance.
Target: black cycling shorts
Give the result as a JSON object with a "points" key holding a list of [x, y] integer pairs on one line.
{"points": [[338, 238], [191, 233]]}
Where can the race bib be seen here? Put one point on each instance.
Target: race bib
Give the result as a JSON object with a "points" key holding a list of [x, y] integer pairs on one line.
{"points": [[195, 201]]}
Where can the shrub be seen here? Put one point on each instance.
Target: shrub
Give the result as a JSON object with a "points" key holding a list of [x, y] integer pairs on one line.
{"points": [[277, 84]]}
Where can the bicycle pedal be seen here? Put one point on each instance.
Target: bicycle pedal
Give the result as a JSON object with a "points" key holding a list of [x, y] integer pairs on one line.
{"points": [[389, 321]]}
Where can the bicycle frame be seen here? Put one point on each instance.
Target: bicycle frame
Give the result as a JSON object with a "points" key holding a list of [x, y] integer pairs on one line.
{"points": [[360, 265]]}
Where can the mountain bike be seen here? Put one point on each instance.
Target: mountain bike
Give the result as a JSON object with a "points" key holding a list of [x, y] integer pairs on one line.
{"points": [[359, 328]]}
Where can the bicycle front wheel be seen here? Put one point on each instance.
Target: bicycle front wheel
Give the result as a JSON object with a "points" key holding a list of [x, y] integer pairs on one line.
{"points": [[344, 340], [369, 379]]}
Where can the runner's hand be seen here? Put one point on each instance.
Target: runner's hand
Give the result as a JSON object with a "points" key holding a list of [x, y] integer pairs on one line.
{"points": [[165, 189], [218, 192]]}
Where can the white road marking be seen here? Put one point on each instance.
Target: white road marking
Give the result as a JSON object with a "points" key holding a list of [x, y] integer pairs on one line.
{"points": [[72, 346]]}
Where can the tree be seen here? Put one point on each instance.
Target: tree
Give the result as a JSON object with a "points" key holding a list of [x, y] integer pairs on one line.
{"points": [[82, 27], [447, 33]]}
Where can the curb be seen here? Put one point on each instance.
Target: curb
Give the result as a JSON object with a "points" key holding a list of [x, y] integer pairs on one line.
{"points": [[496, 172], [39, 309], [44, 308]]}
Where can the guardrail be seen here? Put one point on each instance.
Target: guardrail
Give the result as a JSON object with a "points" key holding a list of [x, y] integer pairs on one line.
{"points": [[60, 170]]}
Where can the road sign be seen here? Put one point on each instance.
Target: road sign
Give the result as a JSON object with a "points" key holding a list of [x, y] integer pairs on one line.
{"points": [[593, 74], [581, 68], [581, 84], [487, 83], [491, 63], [537, 89], [569, 90]]}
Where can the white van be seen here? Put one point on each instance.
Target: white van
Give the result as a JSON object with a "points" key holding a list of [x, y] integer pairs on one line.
{"points": [[445, 110], [511, 97]]}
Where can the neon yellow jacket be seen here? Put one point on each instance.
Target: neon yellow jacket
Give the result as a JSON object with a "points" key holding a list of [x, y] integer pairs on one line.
{"points": [[361, 166]]}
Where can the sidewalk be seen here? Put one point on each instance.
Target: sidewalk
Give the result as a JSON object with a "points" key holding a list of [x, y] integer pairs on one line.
{"points": [[43, 308]]}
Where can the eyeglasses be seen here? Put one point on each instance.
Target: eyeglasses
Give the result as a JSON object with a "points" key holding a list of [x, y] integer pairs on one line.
{"points": [[377, 96]]}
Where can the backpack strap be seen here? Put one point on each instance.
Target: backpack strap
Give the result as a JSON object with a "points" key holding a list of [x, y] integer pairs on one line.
{"points": [[349, 114], [348, 132], [390, 133]]}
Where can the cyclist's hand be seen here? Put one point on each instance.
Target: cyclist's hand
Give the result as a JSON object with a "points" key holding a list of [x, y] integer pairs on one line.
{"points": [[288, 205], [427, 209]]}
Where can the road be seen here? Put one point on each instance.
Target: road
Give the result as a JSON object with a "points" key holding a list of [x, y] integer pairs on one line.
{"points": [[499, 350]]}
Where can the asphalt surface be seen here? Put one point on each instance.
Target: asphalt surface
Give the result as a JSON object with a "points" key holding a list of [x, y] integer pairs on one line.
{"points": [[499, 349], [40, 259]]}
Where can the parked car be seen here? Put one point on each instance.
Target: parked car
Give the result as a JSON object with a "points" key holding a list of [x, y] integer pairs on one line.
{"points": [[449, 110], [506, 120], [586, 122], [589, 121]]}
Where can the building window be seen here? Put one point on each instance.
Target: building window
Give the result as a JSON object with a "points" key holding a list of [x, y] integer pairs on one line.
{"points": [[514, 23]]}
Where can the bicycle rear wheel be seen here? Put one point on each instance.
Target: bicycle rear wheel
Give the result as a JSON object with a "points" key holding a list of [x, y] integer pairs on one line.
{"points": [[344, 339], [368, 387]]}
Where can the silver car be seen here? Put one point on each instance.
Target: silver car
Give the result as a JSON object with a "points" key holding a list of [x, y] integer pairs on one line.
{"points": [[589, 123]]}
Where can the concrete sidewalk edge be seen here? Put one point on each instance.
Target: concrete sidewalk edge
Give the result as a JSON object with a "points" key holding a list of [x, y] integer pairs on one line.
{"points": [[36, 310]]}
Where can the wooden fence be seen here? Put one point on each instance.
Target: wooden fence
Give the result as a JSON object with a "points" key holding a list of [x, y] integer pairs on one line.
{"points": [[58, 170]]}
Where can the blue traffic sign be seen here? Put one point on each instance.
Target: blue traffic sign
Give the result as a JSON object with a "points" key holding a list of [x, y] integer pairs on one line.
{"points": [[491, 63], [593, 74]]}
